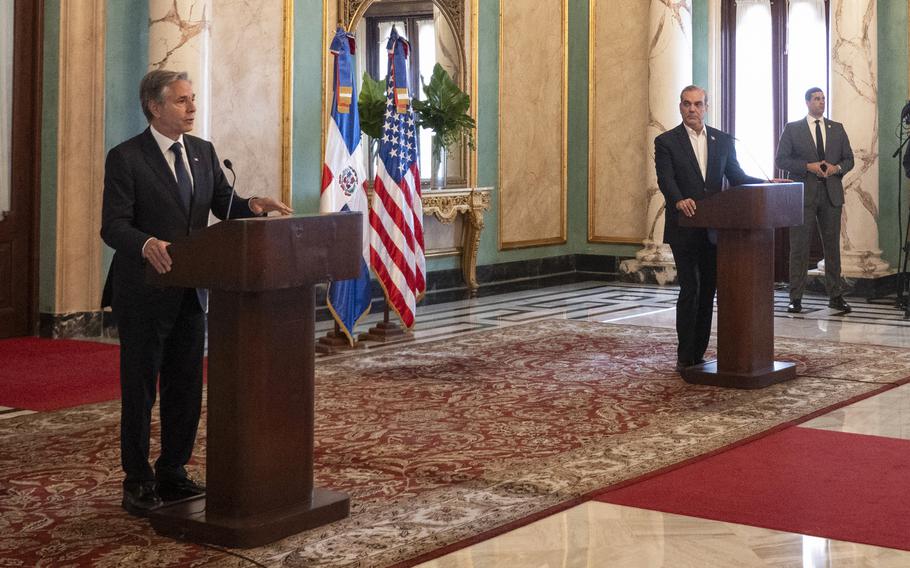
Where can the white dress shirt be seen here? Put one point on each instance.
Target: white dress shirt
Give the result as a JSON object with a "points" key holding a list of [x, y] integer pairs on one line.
{"points": [[821, 123], [165, 143], [699, 142]]}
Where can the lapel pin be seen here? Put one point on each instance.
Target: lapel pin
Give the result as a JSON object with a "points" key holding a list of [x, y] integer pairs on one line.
{"points": [[713, 138]]}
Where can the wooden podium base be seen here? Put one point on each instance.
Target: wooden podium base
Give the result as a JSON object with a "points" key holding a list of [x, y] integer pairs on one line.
{"points": [[187, 520], [708, 374]]}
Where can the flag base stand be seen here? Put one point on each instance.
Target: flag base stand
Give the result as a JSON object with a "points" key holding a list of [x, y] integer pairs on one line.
{"points": [[336, 342], [387, 332]]}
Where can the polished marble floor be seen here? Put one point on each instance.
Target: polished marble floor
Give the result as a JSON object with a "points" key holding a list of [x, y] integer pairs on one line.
{"points": [[600, 534]]}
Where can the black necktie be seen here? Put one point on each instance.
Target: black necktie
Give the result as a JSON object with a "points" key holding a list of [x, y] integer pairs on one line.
{"points": [[183, 178], [819, 141]]}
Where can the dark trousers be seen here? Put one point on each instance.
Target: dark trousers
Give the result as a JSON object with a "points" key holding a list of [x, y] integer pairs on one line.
{"points": [[696, 269], [169, 347], [825, 218]]}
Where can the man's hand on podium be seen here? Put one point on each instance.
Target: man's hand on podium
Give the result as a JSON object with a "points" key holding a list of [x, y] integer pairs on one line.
{"points": [[686, 206], [155, 252], [260, 205]]}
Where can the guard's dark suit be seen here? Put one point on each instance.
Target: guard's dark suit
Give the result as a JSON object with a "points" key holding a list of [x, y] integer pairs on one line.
{"points": [[162, 330], [679, 177], [823, 200]]}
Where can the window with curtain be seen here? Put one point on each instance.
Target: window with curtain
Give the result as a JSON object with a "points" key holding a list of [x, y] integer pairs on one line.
{"points": [[6, 103], [772, 52]]}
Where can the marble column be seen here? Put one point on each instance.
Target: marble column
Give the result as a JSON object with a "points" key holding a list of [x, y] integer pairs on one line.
{"points": [[80, 169], [854, 102], [670, 70], [180, 37]]}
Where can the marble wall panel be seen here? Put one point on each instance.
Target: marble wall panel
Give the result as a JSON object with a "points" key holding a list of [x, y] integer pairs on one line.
{"points": [[247, 87], [618, 121], [854, 102], [180, 40], [532, 127]]}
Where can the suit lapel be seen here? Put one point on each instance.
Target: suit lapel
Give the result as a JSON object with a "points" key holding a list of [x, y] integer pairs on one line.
{"points": [[158, 164], [686, 144], [193, 154], [809, 140], [713, 157], [830, 133]]}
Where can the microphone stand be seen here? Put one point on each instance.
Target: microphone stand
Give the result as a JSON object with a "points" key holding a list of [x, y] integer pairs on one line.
{"points": [[904, 250], [230, 167]]}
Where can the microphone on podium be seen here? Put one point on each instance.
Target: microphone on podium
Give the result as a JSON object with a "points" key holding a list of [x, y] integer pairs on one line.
{"points": [[230, 167]]}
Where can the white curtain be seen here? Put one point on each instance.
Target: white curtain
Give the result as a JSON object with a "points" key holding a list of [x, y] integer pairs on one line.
{"points": [[807, 54], [754, 123], [6, 101]]}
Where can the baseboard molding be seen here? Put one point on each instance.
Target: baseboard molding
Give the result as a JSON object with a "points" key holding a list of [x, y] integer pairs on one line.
{"points": [[448, 286]]}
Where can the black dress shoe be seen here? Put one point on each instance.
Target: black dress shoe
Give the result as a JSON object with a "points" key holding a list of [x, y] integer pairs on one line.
{"points": [[175, 489], [795, 306], [140, 497], [840, 305], [683, 365]]}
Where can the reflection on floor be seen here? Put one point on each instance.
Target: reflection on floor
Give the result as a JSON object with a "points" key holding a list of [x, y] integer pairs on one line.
{"points": [[602, 535]]}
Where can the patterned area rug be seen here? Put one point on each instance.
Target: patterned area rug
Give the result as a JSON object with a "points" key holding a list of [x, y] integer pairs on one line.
{"points": [[435, 442]]}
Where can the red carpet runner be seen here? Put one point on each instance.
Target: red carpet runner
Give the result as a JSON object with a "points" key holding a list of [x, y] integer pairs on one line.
{"points": [[50, 374], [830, 484]]}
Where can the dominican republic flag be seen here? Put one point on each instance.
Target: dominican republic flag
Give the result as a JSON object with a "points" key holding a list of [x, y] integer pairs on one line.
{"points": [[343, 180], [396, 212]]}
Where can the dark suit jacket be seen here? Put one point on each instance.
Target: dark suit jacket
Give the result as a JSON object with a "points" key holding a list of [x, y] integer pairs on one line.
{"points": [[141, 200], [797, 148], [679, 177]]}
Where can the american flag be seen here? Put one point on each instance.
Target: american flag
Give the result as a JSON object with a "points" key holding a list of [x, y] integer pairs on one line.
{"points": [[396, 212]]}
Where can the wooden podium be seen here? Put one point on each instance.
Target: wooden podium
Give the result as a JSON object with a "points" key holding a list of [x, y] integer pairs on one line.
{"points": [[261, 329], [745, 218]]}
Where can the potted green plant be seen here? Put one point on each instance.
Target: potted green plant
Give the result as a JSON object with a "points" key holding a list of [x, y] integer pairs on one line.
{"points": [[371, 103], [444, 110]]}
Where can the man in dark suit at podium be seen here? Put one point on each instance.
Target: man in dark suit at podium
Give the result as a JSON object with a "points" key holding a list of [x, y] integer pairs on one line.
{"points": [[159, 186], [692, 162], [816, 152]]}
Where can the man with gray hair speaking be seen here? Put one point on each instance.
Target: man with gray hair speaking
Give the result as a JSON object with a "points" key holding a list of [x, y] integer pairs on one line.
{"points": [[158, 186], [693, 161]]}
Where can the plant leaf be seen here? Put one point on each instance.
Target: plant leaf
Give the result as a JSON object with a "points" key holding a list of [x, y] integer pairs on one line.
{"points": [[445, 109], [371, 105]]}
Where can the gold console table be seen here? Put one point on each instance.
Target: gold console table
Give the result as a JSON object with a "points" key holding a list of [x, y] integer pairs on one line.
{"points": [[445, 205]]}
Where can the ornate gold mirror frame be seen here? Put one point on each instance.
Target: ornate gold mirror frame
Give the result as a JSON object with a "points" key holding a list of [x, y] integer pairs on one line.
{"points": [[350, 12]]}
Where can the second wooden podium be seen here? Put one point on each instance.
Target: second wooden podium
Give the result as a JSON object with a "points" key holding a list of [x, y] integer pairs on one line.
{"points": [[745, 218], [261, 330]]}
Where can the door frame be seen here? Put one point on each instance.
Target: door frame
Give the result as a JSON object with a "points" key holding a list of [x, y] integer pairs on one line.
{"points": [[28, 53]]}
